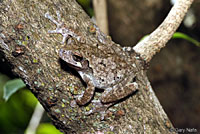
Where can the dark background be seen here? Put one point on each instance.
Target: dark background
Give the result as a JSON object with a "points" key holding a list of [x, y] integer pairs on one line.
{"points": [[175, 71]]}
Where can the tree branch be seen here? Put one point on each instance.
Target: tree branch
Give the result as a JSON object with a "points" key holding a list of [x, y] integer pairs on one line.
{"points": [[35, 119], [100, 9], [33, 55], [158, 38]]}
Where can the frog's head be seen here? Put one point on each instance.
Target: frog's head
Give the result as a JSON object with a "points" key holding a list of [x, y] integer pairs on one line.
{"points": [[74, 59]]}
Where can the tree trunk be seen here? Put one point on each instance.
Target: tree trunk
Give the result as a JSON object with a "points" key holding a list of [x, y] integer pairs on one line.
{"points": [[33, 54]]}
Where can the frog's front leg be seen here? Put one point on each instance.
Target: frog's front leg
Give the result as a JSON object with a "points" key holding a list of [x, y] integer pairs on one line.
{"points": [[87, 95]]}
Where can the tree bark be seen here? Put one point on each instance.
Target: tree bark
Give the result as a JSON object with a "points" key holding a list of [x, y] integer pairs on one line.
{"points": [[100, 11], [33, 55], [159, 37]]}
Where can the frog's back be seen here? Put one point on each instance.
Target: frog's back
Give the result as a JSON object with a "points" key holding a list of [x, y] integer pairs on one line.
{"points": [[109, 64], [110, 68]]}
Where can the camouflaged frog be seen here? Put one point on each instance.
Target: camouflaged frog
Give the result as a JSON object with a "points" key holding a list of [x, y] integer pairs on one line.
{"points": [[101, 66]]}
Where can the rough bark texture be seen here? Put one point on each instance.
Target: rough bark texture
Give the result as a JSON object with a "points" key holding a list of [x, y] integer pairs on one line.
{"points": [[33, 54], [173, 71]]}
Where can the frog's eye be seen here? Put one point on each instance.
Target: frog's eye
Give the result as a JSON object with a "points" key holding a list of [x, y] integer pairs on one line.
{"points": [[77, 58]]}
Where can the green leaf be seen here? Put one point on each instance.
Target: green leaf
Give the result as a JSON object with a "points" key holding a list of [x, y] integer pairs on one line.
{"points": [[186, 37], [84, 3], [11, 87], [47, 128], [3, 80], [179, 35], [28, 98], [144, 37]]}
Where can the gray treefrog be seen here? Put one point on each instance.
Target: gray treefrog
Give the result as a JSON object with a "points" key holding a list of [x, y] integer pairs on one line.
{"points": [[101, 66]]}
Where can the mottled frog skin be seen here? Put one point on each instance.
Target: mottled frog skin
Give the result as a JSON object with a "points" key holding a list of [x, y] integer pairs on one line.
{"points": [[102, 66]]}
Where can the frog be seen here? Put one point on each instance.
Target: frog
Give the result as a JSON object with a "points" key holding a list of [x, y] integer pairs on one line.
{"points": [[100, 66]]}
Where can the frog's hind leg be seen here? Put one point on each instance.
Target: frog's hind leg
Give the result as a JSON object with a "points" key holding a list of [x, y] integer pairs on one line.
{"points": [[57, 22], [99, 107], [109, 97], [115, 94]]}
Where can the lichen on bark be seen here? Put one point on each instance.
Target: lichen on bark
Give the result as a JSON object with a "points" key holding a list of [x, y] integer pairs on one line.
{"points": [[23, 25]]}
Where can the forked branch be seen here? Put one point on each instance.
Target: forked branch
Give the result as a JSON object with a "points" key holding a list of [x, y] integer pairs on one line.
{"points": [[158, 38], [38, 64]]}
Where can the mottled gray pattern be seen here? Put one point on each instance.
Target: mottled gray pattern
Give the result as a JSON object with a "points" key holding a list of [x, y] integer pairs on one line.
{"points": [[102, 66]]}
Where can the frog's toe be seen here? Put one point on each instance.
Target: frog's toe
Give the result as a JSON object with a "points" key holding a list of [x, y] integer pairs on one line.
{"points": [[99, 107]]}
